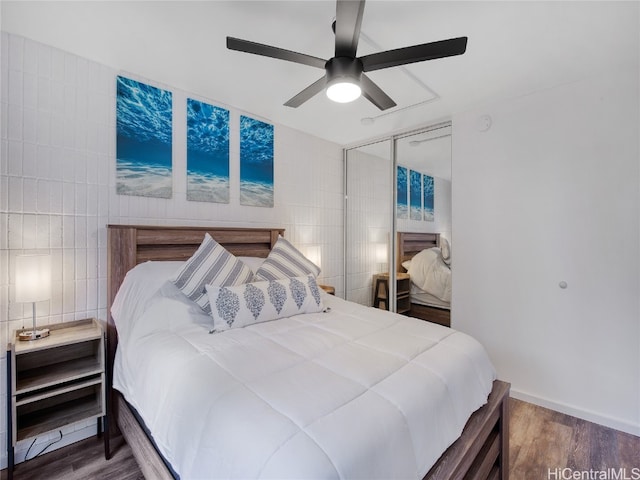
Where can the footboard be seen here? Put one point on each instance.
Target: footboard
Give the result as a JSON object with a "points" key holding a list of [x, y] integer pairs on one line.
{"points": [[482, 451]]}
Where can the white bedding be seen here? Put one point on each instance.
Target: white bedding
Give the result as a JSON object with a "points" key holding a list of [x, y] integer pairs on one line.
{"points": [[430, 273], [354, 392], [421, 297]]}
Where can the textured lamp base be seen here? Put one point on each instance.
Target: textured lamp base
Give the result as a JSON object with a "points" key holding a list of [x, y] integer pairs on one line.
{"points": [[33, 334]]}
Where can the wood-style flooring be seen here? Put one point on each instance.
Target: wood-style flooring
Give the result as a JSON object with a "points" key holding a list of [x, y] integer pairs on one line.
{"points": [[541, 441]]}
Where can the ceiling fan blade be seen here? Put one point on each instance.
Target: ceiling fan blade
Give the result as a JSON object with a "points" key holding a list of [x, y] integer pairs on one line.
{"points": [[273, 52], [374, 93], [348, 21], [417, 53], [313, 89]]}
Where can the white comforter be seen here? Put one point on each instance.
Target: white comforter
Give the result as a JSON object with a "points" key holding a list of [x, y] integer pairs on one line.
{"points": [[431, 274], [355, 392]]}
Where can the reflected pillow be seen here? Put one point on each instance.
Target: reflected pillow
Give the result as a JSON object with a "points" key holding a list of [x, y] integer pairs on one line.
{"points": [[212, 264], [445, 250], [242, 305]]}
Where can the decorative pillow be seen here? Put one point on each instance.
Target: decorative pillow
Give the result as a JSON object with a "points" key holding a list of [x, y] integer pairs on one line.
{"points": [[212, 264], [445, 250], [242, 305], [285, 261]]}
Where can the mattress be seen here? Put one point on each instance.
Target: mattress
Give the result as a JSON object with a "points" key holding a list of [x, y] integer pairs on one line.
{"points": [[421, 297], [350, 392]]}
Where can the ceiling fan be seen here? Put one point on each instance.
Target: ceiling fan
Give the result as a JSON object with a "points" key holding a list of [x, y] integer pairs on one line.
{"points": [[345, 77]]}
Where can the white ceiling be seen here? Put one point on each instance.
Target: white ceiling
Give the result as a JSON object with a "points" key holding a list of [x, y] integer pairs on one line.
{"points": [[514, 48]]}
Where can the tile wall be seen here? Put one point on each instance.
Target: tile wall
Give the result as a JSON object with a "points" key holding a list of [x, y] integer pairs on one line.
{"points": [[57, 190]]}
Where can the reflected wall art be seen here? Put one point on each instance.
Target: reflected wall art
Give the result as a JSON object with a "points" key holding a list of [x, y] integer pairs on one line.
{"points": [[207, 152], [428, 187], [415, 195], [143, 140], [256, 163], [402, 203]]}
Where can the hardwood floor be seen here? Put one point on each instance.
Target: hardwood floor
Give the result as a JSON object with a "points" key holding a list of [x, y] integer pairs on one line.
{"points": [[544, 442], [81, 461], [541, 441]]}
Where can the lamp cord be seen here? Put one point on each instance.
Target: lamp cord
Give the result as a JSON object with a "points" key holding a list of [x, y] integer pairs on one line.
{"points": [[26, 457]]}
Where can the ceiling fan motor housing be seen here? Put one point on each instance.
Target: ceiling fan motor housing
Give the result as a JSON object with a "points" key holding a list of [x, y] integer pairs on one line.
{"points": [[344, 68]]}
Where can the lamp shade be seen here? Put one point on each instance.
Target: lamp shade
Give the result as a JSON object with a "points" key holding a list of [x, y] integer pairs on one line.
{"points": [[344, 91], [33, 278]]}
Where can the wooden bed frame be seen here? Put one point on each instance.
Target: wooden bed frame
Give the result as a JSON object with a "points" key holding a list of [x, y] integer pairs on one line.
{"points": [[481, 452], [409, 244]]}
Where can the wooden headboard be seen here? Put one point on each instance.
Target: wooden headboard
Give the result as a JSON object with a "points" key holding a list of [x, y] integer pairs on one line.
{"points": [[411, 243]]}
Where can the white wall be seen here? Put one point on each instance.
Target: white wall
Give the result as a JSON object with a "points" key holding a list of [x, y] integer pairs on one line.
{"points": [[57, 189], [551, 193]]}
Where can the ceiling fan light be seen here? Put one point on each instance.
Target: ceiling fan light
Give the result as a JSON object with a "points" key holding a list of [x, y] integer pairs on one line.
{"points": [[344, 91]]}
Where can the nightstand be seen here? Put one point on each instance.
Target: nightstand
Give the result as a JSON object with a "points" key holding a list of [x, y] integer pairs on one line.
{"points": [[403, 291], [328, 288], [55, 381]]}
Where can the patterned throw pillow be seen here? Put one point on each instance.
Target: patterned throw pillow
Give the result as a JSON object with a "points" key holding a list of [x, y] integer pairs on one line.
{"points": [[285, 261], [212, 264], [242, 305]]}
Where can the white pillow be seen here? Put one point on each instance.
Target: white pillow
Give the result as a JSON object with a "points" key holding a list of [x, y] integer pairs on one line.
{"points": [[139, 287], [285, 261], [254, 263], [212, 264], [242, 305], [445, 250]]}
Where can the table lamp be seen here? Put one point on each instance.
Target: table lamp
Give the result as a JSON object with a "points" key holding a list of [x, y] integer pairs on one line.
{"points": [[33, 284]]}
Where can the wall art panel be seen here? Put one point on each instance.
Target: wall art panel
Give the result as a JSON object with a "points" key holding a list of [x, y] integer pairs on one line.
{"points": [[402, 189], [256, 163], [428, 188], [207, 152], [143, 140], [415, 195]]}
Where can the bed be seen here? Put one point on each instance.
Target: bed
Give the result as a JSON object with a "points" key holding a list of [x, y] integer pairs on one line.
{"points": [[423, 304], [481, 450]]}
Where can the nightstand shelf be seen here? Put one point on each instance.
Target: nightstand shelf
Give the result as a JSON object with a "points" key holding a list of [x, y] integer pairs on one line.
{"points": [[56, 381], [403, 292]]}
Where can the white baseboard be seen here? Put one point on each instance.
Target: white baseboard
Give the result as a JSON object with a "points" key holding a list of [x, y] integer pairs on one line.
{"points": [[615, 423], [68, 438]]}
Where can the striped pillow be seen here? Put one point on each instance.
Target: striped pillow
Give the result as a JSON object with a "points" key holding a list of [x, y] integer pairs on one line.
{"points": [[285, 261], [212, 264]]}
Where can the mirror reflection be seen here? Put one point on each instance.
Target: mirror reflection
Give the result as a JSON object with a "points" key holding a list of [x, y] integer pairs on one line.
{"points": [[423, 221], [369, 204], [398, 224]]}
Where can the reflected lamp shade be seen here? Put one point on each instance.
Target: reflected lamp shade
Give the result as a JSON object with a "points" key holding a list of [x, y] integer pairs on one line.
{"points": [[33, 278]]}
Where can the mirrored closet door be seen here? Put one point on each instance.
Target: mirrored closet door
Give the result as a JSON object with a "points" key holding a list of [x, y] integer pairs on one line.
{"points": [[424, 158], [399, 184], [368, 217]]}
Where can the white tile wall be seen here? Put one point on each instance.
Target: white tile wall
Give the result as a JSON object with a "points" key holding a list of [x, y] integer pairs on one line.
{"points": [[57, 186]]}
